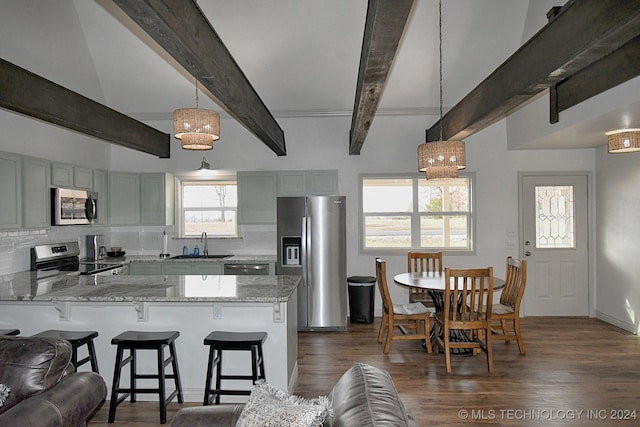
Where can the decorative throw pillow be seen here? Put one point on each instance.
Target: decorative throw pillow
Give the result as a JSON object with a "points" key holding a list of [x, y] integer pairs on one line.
{"points": [[269, 406], [4, 393]]}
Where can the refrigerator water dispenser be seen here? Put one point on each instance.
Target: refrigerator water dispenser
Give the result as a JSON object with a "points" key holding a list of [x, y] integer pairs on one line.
{"points": [[291, 251]]}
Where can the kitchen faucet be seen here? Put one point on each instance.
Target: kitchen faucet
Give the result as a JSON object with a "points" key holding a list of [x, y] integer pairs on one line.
{"points": [[203, 238]]}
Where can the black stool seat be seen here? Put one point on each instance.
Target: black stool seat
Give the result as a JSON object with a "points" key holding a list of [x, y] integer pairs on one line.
{"points": [[137, 340], [145, 340], [219, 341], [9, 331], [76, 339]]}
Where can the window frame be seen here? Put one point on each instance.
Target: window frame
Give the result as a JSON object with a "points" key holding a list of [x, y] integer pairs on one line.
{"points": [[181, 181], [415, 217]]}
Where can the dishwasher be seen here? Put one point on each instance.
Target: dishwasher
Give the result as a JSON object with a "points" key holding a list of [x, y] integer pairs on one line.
{"points": [[252, 269]]}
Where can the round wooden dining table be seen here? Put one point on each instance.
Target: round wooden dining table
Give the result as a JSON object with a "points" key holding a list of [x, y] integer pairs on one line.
{"points": [[434, 283]]}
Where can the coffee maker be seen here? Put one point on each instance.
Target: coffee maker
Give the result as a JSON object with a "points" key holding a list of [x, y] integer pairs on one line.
{"points": [[95, 247]]}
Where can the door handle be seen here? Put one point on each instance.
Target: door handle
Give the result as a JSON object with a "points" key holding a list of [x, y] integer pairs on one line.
{"points": [[527, 253]]}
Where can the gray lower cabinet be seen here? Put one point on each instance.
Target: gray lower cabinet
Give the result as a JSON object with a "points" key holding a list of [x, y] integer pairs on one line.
{"points": [[145, 268], [10, 191], [36, 205], [176, 268], [206, 268], [168, 268]]}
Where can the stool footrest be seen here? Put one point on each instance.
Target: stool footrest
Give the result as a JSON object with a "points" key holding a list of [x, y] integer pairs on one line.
{"points": [[236, 377], [232, 392]]}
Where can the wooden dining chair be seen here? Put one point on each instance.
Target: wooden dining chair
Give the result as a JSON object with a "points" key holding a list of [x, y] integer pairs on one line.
{"points": [[423, 262], [406, 317], [467, 294], [508, 310]]}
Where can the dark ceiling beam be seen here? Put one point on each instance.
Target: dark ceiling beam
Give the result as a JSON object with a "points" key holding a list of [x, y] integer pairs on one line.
{"points": [[180, 27], [610, 71], [385, 23], [580, 33], [27, 93]]}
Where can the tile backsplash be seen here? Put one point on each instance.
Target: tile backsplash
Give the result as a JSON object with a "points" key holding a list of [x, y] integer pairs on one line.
{"points": [[15, 245]]}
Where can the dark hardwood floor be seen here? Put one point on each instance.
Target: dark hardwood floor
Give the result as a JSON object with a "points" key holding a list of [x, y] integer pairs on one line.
{"points": [[577, 371]]}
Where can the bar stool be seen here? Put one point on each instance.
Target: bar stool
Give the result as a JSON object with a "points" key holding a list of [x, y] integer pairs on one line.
{"points": [[76, 339], [136, 340], [9, 331], [219, 341]]}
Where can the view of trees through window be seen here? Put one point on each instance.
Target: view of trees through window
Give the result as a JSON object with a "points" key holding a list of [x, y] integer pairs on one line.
{"points": [[209, 207], [411, 212]]}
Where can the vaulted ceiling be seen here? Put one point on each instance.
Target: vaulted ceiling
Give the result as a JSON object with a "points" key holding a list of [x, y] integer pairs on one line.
{"points": [[301, 57]]}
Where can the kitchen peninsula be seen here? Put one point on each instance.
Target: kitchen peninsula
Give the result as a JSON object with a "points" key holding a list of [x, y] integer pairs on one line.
{"points": [[194, 305]]}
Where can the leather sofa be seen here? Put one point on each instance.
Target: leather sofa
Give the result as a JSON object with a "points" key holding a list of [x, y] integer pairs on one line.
{"points": [[365, 396], [45, 390]]}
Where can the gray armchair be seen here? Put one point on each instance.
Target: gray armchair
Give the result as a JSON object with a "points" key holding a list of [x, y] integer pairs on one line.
{"points": [[45, 390]]}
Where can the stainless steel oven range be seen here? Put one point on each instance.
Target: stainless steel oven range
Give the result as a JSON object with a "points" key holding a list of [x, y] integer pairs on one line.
{"points": [[63, 258]]}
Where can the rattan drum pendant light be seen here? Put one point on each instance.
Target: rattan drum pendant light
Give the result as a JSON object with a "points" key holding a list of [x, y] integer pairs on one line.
{"points": [[441, 159], [196, 128], [623, 140]]}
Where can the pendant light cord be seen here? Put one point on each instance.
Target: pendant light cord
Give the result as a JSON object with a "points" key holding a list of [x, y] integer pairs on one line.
{"points": [[197, 96], [440, 57]]}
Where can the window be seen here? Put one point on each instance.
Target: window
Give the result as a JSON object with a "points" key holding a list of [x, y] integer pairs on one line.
{"points": [[208, 206], [405, 212]]}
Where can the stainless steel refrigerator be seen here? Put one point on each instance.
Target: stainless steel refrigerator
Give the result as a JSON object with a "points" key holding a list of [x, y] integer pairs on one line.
{"points": [[312, 244]]}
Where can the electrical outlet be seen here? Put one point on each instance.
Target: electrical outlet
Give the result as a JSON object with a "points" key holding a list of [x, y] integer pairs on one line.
{"points": [[217, 311]]}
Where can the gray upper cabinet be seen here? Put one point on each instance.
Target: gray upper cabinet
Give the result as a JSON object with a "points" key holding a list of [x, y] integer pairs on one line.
{"points": [[82, 178], [291, 183], [156, 199], [61, 175], [36, 199], [308, 183], [10, 191], [124, 198], [321, 183], [140, 199], [257, 192], [101, 186]]}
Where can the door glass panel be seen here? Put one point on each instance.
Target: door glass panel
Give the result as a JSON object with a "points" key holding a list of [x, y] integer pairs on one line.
{"points": [[555, 226]]}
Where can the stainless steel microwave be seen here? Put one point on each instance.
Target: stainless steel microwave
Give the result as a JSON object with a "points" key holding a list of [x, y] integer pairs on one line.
{"points": [[70, 206]]}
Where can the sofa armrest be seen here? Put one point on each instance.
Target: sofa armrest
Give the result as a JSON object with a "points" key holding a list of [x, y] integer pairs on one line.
{"points": [[68, 403], [208, 416]]}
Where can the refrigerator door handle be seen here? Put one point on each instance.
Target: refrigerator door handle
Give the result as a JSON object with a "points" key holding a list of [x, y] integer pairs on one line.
{"points": [[303, 250]]}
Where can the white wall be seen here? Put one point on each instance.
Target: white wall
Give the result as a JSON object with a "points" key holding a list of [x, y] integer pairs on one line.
{"points": [[322, 143], [618, 231]]}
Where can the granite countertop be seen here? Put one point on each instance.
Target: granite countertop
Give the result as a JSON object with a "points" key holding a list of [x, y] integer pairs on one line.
{"points": [[236, 259], [122, 288]]}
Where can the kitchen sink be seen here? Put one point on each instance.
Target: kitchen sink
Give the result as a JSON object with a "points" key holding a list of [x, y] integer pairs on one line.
{"points": [[200, 256]]}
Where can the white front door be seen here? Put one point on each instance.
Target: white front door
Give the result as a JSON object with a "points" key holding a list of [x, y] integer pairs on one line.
{"points": [[555, 244]]}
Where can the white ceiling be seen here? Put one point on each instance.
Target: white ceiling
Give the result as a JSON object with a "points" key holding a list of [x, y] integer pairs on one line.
{"points": [[301, 56]]}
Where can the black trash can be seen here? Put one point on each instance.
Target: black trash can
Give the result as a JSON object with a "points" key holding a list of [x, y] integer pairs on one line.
{"points": [[361, 298]]}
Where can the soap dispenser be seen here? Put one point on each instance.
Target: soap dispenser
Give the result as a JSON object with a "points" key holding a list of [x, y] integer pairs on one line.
{"points": [[185, 250], [196, 251]]}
